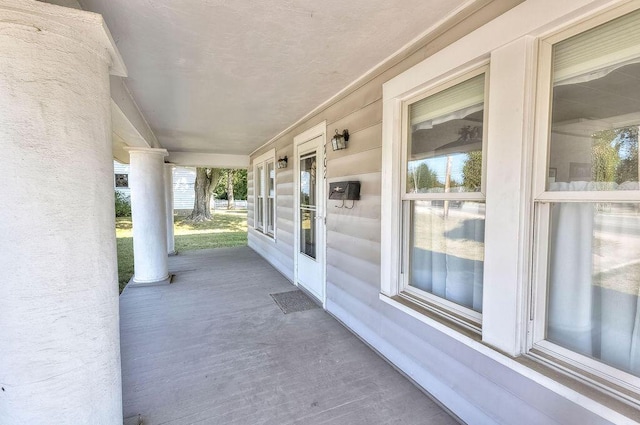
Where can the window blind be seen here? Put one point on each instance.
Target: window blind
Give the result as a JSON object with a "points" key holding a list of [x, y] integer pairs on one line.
{"points": [[453, 103], [597, 52]]}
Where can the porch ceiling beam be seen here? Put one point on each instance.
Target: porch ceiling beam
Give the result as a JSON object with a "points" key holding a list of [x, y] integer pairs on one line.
{"points": [[129, 126], [118, 150], [213, 160]]}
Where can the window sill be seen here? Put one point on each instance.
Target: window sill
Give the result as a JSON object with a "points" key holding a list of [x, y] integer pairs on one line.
{"points": [[452, 314], [262, 235], [598, 387], [568, 387]]}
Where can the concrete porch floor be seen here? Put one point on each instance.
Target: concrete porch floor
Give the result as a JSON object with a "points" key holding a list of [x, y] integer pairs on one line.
{"points": [[214, 348]]}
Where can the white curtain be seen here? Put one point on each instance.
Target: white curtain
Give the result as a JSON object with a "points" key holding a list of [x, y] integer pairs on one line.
{"points": [[447, 260], [594, 288]]}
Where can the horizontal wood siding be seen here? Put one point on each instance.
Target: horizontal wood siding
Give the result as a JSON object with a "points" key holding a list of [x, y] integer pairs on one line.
{"points": [[119, 168], [353, 234], [470, 383], [183, 182], [183, 188], [278, 252], [274, 252]]}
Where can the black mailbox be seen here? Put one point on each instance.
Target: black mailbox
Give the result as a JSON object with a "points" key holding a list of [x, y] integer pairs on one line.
{"points": [[344, 191]]}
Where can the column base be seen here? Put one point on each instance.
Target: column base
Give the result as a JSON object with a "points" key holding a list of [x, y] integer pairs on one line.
{"points": [[172, 253], [166, 281]]}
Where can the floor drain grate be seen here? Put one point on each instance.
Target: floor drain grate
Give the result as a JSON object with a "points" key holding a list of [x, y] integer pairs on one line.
{"points": [[293, 301]]}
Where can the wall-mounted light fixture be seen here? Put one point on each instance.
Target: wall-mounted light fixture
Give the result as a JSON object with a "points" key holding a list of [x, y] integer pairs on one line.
{"points": [[282, 162], [339, 141]]}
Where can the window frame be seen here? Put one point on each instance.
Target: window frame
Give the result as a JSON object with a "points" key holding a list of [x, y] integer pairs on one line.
{"points": [[261, 197], [454, 312], [269, 199], [259, 201], [447, 84], [121, 180], [615, 381], [515, 105]]}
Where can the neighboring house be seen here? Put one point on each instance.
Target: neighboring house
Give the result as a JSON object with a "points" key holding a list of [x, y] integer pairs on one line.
{"points": [[183, 194], [121, 178], [183, 180], [481, 281]]}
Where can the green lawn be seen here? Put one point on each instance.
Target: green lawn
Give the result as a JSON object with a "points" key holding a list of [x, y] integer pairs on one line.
{"points": [[228, 228]]}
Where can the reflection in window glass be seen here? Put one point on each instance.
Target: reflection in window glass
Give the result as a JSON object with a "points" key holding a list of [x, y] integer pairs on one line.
{"points": [[308, 232], [596, 109], [271, 180], [260, 197], [447, 250], [308, 205], [445, 140], [594, 281], [308, 180], [270, 196]]}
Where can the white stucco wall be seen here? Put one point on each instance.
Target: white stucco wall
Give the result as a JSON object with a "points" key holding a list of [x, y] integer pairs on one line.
{"points": [[59, 331]]}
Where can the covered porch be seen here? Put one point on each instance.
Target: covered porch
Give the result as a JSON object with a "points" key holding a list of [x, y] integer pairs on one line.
{"points": [[479, 311], [214, 348]]}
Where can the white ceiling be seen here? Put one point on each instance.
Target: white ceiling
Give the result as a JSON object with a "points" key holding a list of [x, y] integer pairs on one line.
{"points": [[222, 76]]}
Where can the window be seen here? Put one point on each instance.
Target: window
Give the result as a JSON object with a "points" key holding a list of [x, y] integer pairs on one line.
{"points": [[122, 180], [442, 198], [265, 193], [587, 202], [270, 196]]}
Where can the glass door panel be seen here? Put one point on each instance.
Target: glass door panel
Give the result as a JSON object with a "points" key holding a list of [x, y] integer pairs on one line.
{"points": [[270, 194], [259, 198], [308, 205], [308, 232]]}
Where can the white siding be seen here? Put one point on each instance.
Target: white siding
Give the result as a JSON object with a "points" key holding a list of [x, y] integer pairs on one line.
{"points": [[119, 168], [480, 385], [278, 251], [183, 181]]}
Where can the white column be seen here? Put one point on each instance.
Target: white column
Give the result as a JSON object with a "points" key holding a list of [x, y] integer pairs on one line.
{"points": [[59, 320], [168, 191], [149, 215]]}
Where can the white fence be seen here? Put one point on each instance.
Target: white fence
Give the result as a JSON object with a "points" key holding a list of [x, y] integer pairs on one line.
{"points": [[221, 204]]}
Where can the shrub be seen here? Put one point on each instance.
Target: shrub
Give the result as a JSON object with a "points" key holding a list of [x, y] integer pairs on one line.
{"points": [[123, 205]]}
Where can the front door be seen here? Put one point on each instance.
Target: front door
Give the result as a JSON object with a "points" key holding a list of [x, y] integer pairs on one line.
{"points": [[310, 224]]}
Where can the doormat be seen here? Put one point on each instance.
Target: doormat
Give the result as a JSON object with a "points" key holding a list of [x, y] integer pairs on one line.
{"points": [[293, 301]]}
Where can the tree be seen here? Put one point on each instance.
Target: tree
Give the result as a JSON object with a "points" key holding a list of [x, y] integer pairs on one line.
{"points": [[627, 145], [231, 205], [472, 171], [123, 205], [422, 177], [206, 181], [604, 160], [239, 185], [614, 155]]}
